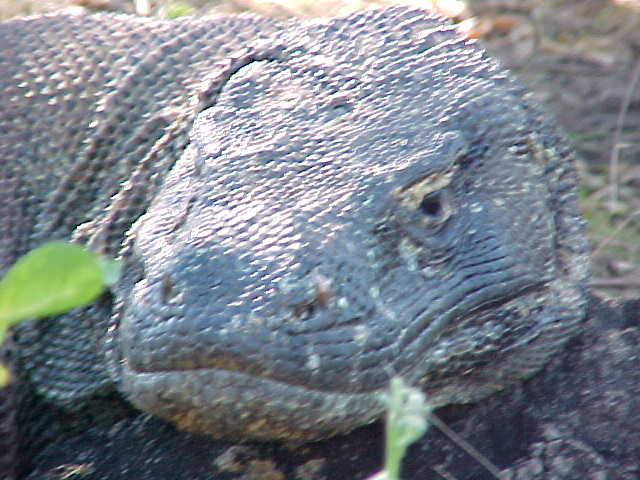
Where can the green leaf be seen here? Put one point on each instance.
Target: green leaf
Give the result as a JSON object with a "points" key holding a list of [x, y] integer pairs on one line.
{"points": [[52, 279]]}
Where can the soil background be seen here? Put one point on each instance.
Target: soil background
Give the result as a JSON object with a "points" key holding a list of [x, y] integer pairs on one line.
{"points": [[581, 58]]}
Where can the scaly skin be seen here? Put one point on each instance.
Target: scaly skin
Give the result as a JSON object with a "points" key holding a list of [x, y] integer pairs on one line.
{"points": [[336, 203]]}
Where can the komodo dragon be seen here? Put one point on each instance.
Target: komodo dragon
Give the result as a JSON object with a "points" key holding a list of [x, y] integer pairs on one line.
{"points": [[303, 210]]}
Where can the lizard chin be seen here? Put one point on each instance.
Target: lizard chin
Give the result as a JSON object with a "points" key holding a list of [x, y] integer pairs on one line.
{"points": [[234, 405]]}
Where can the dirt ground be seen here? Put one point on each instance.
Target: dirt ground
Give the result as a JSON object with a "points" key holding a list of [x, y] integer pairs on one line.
{"points": [[581, 58]]}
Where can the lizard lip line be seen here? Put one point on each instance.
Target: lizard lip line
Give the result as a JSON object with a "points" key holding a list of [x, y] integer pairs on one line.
{"points": [[525, 291], [442, 317]]}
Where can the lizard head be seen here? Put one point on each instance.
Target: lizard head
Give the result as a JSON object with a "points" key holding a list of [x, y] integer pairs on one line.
{"points": [[378, 199]]}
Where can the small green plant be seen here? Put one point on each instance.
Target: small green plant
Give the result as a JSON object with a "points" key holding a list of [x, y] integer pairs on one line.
{"points": [[49, 280], [407, 414], [177, 9]]}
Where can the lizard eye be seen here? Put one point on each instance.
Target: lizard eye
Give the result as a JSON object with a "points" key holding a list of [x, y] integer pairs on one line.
{"points": [[428, 198], [431, 205], [435, 208]]}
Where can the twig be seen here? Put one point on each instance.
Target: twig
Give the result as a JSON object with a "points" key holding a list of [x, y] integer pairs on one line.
{"points": [[628, 176], [615, 232], [622, 282], [617, 144], [466, 446]]}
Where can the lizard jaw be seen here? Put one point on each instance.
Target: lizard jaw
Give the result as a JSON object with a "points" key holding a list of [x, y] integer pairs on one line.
{"points": [[237, 405], [234, 405]]}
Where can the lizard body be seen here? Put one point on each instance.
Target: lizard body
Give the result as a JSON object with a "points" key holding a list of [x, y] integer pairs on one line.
{"points": [[302, 210]]}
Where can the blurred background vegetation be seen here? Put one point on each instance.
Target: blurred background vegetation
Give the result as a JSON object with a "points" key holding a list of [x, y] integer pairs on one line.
{"points": [[581, 58]]}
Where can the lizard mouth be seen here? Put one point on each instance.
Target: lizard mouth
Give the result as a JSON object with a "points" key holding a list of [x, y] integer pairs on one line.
{"points": [[474, 309], [497, 304], [234, 403]]}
